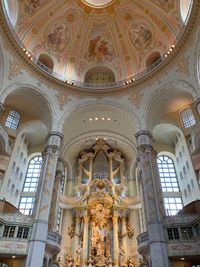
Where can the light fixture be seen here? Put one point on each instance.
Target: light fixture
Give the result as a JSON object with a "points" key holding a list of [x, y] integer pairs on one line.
{"points": [[90, 119], [13, 257], [182, 259], [103, 119], [96, 119], [108, 119]]}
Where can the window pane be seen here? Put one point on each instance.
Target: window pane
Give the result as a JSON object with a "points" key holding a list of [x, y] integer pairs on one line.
{"points": [[13, 119], [188, 118]]}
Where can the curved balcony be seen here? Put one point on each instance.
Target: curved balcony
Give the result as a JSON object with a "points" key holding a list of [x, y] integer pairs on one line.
{"points": [[63, 80], [53, 241], [143, 243]]}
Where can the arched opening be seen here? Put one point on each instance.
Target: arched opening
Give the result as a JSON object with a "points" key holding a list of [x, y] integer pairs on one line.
{"points": [[12, 11], [184, 8], [46, 61], [153, 58], [99, 75]]}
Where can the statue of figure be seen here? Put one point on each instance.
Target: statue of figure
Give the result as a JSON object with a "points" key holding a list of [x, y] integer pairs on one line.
{"points": [[131, 262], [71, 231], [77, 257], [130, 230], [90, 262], [121, 256], [69, 261], [110, 262]]}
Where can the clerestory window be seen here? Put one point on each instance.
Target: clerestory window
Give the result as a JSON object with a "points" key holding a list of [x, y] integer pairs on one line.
{"points": [[187, 117], [13, 119]]}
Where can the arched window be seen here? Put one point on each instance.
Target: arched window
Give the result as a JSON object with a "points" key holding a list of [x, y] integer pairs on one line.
{"points": [[33, 174], [46, 62], [30, 185], [99, 75], [13, 119], [169, 184], [187, 117], [153, 59]]}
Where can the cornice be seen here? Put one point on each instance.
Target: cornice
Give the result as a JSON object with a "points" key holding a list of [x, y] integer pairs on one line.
{"points": [[97, 92]]}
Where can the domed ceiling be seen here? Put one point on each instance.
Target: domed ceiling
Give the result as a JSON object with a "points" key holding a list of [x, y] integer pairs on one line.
{"points": [[82, 35]]}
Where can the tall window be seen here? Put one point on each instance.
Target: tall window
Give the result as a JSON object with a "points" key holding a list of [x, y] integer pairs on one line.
{"points": [[169, 184], [30, 185], [33, 174], [13, 119], [187, 117]]}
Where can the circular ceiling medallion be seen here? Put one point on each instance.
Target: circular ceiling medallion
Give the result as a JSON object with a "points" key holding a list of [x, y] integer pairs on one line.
{"points": [[97, 3]]}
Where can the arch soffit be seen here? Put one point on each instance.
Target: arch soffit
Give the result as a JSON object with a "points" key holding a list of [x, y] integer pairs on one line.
{"points": [[2, 65], [71, 111], [30, 126], [197, 57], [163, 92], [35, 90], [89, 139]]}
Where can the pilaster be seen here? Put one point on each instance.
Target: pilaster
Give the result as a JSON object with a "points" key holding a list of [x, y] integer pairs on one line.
{"points": [[43, 200]]}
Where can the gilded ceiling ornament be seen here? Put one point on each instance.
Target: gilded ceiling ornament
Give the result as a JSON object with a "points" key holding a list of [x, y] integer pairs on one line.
{"points": [[182, 65], [62, 99]]}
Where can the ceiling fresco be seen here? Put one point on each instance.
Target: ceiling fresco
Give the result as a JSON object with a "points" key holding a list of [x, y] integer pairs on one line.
{"points": [[120, 35]]}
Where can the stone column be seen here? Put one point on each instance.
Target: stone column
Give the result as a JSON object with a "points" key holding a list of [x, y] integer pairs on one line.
{"points": [[115, 240], [85, 239], [54, 202], [153, 199], [91, 167], [124, 234], [39, 234]]}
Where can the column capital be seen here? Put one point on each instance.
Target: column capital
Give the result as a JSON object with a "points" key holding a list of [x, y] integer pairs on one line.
{"points": [[51, 149], [144, 138], [86, 218], [54, 137]]}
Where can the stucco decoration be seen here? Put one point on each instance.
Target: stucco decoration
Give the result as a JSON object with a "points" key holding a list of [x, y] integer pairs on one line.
{"points": [[182, 65], [15, 68], [62, 99]]}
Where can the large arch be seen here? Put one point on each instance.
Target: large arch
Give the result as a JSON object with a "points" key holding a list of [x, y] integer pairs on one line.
{"points": [[103, 104], [166, 100], [12, 11], [31, 101]]}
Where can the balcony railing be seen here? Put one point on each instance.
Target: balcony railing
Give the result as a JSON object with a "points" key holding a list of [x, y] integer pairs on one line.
{"points": [[14, 235], [66, 79]]}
